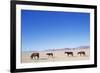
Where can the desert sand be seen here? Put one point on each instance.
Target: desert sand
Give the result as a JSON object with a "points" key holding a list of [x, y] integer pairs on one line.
{"points": [[58, 55]]}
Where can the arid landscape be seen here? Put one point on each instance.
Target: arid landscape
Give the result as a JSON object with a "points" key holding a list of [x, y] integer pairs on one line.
{"points": [[51, 36], [64, 54]]}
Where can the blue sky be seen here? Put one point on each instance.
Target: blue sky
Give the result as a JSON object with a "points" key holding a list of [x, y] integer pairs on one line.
{"points": [[48, 29]]}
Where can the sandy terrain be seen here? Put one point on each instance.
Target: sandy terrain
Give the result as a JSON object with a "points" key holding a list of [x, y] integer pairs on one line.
{"points": [[58, 55]]}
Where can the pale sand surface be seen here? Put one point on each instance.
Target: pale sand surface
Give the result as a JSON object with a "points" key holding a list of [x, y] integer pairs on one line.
{"points": [[58, 55]]}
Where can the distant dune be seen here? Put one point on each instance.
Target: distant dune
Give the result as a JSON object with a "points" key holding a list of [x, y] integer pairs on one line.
{"points": [[80, 53]]}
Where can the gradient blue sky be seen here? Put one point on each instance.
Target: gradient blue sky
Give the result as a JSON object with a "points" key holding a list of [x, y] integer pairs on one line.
{"points": [[43, 30]]}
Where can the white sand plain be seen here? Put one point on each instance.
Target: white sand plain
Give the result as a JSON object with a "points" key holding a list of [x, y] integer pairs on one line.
{"points": [[58, 55]]}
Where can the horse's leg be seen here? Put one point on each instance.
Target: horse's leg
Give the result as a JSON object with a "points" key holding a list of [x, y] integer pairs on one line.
{"points": [[37, 57], [84, 54], [34, 57], [52, 56], [72, 54], [80, 54], [67, 54], [48, 56]]}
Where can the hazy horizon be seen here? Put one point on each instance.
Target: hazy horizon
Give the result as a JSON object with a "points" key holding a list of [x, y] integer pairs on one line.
{"points": [[42, 30], [48, 49]]}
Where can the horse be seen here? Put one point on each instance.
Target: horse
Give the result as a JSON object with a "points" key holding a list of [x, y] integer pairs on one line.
{"points": [[50, 54], [81, 53], [69, 53], [35, 56]]}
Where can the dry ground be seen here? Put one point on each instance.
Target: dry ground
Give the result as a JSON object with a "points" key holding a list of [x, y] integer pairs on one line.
{"points": [[59, 55]]}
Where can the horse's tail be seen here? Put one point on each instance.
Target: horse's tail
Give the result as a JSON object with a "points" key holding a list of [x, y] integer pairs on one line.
{"points": [[31, 56]]}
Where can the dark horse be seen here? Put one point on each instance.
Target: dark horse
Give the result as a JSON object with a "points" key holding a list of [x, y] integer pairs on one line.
{"points": [[50, 54], [81, 53], [69, 53], [35, 55]]}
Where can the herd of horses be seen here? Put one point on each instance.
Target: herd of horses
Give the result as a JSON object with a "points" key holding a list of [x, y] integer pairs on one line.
{"points": [[36, 55]]}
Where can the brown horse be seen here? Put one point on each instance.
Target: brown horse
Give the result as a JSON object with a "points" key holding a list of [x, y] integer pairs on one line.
{"points": [[35, 56], [49, 54], [69, 53], [81, 53]]}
